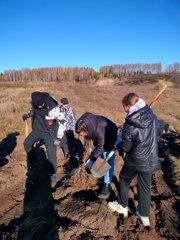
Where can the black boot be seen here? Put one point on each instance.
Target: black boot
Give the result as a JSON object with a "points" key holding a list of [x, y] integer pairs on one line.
{"points": [[105, 191]]}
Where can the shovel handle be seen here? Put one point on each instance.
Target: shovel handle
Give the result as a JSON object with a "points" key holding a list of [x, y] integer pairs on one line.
{"points": [[109, 155], [26, 128], [157, 97]]}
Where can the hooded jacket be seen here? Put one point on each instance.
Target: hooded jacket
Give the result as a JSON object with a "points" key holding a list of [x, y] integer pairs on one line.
{"points": [[140, 140], [102, 131], [39, 114]]}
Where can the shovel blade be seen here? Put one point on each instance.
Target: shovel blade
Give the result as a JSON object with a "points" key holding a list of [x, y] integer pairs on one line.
{"points": [[100, 168]]}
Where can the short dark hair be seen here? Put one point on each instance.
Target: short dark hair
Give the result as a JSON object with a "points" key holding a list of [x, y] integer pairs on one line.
{"points": [[130, 99], [80, 126], [64, 101]]}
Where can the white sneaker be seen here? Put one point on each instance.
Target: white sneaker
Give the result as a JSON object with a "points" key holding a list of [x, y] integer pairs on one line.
{"points": [[116, 207], [145, 220]]}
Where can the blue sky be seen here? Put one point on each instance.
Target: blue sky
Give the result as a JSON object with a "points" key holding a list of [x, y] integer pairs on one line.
{"points": [[88, 33]]}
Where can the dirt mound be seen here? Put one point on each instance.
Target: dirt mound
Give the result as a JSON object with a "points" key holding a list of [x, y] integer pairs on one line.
{"points": [[104, 82], [72, 210]]}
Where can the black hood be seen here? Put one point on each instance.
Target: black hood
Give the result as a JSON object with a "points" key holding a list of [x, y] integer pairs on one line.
{"points": [[141, 119], [39, 98]]}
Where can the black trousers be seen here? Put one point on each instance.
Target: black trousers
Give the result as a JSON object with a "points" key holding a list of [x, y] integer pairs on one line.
{"points": [[35, 136], [70, 142], [64, 144], [144, 180]]}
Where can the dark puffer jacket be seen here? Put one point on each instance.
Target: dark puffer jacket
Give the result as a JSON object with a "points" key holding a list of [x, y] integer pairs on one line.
{"points": [[102, 131], [140, 140]]}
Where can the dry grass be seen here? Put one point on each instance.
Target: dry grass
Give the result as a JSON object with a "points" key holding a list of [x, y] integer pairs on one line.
{"points": [[103, 100]]}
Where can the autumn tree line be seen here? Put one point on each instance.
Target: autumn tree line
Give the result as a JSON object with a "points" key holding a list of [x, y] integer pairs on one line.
{"points": [[79, 74], [50, 74]]}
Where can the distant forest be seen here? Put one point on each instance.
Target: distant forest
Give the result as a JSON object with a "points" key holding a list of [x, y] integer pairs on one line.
{"points": [[79, 74]]}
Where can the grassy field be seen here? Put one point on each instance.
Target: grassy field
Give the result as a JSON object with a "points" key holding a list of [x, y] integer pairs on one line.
{"points": [[103, 99]]}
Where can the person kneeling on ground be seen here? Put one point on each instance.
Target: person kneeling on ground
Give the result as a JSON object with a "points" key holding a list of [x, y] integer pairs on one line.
{"points": [[103, 133], [139, 145]]}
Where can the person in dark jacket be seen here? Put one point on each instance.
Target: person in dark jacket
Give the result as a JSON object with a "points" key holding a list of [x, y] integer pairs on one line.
{"points": [[42, 127], [103, 133], [139, 146]]}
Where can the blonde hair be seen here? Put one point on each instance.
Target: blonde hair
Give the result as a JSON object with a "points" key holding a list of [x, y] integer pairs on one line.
{"points": [[130, 99]]}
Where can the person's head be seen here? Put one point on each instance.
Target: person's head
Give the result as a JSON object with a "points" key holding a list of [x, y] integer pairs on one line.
{"points": [[81, 128], [129, 100], [64, 102], [38, 99]]}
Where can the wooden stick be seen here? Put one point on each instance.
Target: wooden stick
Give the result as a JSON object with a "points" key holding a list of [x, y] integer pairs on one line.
{"points": [[26, 128], [157, 97]]}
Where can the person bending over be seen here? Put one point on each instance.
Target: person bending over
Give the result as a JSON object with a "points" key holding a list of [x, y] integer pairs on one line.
{"points": [[103, 132]]}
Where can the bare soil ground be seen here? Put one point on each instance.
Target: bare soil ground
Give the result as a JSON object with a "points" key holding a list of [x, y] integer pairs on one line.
{"points": [[72, 209]]}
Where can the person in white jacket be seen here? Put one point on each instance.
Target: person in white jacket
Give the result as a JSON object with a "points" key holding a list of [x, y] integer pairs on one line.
{"points": [[61, 138]]}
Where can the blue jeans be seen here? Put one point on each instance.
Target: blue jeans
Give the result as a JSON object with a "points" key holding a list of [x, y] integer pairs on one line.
{"points": [[109, 175]]}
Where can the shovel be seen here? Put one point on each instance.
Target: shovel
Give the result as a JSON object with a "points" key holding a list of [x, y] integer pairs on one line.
{"points": [[26, 128], [157, 97], [101, 166]]}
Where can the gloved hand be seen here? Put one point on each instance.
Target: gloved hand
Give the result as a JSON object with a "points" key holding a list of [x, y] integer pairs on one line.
{"points": [[93, 159], [25, 116], [88, 170], [89, 164]]}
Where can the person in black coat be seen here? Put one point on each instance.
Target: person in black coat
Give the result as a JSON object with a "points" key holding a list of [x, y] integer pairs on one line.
{"points": [[103, 132], [139, 146], [42, 128]]}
